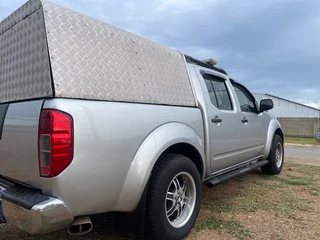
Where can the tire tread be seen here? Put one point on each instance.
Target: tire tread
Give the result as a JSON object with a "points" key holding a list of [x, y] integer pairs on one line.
{"points": [[166, 162], [271, 168]]}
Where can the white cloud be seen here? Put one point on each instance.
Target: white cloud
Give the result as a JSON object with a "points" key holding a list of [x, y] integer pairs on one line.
{"points": [[313, 104], [309, 96], [311, 91], [183, 6]]}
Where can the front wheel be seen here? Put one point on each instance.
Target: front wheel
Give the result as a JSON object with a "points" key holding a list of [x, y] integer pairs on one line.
{"points": [[174, 197], [276, 157]]}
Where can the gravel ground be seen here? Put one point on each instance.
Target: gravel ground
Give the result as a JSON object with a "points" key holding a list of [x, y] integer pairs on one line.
{"points": [[253, 206]]}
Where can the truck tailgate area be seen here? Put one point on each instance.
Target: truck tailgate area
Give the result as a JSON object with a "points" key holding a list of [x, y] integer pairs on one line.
{"points": [[19, 141]]}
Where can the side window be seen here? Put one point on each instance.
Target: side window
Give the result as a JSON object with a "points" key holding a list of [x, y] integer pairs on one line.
{"points": [[211, 92], [218, 92], [247, 103]]}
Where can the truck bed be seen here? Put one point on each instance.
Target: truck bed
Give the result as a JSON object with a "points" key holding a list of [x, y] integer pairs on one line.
{"points": [[107, 136]]}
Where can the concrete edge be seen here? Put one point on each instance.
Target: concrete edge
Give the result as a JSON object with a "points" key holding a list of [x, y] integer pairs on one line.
{"points": [[301, 145], [303, 161]]}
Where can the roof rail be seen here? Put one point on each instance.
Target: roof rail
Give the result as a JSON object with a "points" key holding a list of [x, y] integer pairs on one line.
{"points": [[190, 59]]}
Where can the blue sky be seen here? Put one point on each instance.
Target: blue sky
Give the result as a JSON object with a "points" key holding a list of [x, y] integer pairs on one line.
{"points": [[271, 46]]}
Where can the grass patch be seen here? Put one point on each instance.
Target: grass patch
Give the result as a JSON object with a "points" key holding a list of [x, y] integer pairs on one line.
{"points": [[276, 201], [230, 226], [293, 180], [314, 191], [311, 141], [263, 192], [309, 170], [277, 237], [270, 196], [256, 192]]}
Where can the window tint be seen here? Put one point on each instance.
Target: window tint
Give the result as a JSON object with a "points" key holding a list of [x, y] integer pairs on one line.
{"points": [[218, 92], [211, 92], [246, 102]]}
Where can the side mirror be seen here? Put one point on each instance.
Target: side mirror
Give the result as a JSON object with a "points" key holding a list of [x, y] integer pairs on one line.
{"points": [[266, 104]]}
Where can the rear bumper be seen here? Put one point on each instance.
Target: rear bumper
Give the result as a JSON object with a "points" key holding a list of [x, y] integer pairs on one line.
{"points": [[24, 210], [48, 216]]}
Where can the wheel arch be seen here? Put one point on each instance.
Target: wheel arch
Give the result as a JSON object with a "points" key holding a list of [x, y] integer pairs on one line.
{"points": [[189, 151], [280, 133], [274, 128], [169, 138]]}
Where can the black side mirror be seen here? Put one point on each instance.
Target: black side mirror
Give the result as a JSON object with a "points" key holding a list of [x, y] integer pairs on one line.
{"points": [[266, 104]]}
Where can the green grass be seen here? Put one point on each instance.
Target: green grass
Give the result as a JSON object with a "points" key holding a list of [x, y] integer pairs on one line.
{"points": [[277, 237], [309, 170], [311, 141], [230, 226], [314, 191], [254, 193], [292, 180], [268, 194]]}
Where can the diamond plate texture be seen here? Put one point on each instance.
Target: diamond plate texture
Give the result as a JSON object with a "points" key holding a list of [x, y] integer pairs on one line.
{"points": [[24, 11], [24, 60], [93, 60], [89, 60]]}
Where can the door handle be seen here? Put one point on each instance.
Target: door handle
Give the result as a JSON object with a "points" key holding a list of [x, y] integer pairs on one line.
{"points": [[216, 119], [244, 120]]}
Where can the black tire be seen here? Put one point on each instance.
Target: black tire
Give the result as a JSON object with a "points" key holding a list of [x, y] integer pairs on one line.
{"points": [[167, 168], [272, 168]]}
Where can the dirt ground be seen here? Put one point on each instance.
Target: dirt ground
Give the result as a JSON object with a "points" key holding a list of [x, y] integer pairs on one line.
{"points": [[252, 206]]}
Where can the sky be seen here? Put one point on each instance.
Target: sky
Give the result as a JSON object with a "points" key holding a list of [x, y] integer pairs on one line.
{"points": [[271, 46]]}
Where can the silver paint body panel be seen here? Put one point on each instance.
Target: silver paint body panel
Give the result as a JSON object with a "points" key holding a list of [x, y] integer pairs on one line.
{"points": [[115, 148], [117, 144], [231, 143], [19, 143]]}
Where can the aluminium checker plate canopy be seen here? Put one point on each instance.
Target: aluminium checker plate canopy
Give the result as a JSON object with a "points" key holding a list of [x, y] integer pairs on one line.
{"points": [[50, 51]]}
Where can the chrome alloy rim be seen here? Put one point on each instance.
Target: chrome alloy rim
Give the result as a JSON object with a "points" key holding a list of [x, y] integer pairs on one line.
{"points": [[279, 155], [180, 200]]}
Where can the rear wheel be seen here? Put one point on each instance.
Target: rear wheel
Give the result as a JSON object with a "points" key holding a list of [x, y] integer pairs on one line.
{"points": [[174, 196], [276, 157]]}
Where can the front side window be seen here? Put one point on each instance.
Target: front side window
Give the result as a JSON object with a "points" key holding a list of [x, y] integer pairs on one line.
{"points": [[218, 92], [247, 103]]}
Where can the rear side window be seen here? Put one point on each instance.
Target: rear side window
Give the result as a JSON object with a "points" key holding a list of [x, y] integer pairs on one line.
{"points": [[218, 92]]}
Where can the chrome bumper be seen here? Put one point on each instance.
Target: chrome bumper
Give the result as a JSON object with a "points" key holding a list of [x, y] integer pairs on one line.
{"points": [[47, 216]]}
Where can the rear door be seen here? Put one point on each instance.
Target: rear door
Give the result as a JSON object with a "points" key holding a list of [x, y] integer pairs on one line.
{"points": [[253, 127], [224, 120]]}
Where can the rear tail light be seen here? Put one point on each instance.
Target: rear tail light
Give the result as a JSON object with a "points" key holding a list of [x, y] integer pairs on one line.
{"points": [[55, 142]]}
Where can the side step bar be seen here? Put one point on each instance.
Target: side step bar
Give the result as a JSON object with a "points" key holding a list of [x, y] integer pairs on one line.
{"points": [[227, 176], [2, 220]]}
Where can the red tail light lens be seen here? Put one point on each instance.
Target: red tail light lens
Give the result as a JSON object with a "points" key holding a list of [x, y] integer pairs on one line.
{"points": [[55, 142]]}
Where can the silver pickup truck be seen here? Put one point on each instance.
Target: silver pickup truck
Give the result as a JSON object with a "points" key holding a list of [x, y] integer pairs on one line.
{"points": [[94, 119]]}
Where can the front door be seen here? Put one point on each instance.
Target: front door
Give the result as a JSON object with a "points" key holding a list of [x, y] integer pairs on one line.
{"points": [[254, 125], [224, 120]]}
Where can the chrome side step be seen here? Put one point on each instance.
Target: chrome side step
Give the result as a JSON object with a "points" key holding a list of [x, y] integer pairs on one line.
{"points": [[227, 176]]}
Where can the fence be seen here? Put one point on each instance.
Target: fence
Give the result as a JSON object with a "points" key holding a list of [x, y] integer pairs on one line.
{"points": [[300, 127]]}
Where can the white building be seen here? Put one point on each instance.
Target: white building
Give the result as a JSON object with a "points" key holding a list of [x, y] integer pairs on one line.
{"points": [[286, 108]]}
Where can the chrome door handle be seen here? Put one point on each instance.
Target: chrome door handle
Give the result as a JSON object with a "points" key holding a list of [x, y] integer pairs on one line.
{"points": [[244, 120], [216, 119]]}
